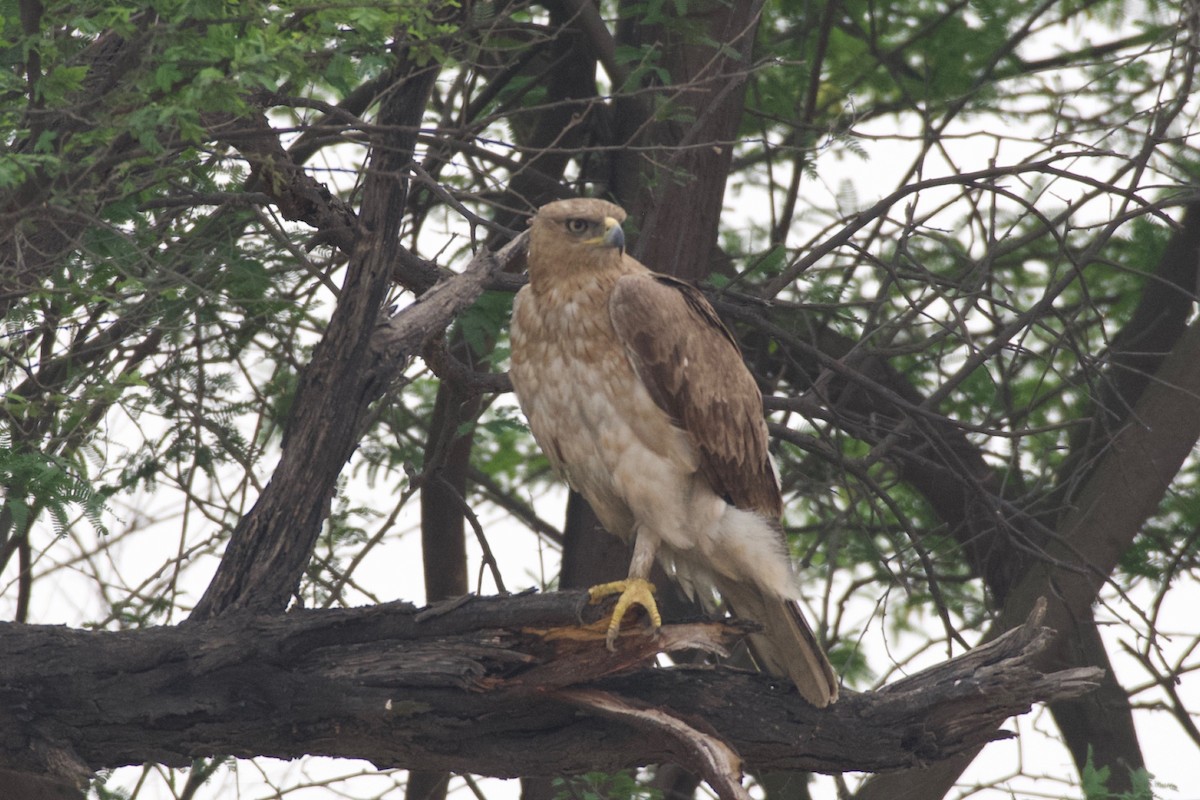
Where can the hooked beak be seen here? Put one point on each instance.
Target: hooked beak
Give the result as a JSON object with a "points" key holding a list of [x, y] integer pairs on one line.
{"points": [[613, 235]]}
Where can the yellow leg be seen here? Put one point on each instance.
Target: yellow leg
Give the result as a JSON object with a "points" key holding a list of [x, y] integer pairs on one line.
{"points": [[632, 591]]}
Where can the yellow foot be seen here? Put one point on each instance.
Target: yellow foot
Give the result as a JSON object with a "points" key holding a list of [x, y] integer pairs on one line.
{"points": [[633, 591]]}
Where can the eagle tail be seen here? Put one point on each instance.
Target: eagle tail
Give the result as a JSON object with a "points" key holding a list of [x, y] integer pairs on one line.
{"points": [[786, 646]]}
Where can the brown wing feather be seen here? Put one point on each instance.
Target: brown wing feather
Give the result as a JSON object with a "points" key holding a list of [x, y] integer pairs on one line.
{"points": [[692, 367]]}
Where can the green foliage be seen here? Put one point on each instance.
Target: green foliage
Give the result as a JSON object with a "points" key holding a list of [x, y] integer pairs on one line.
{"points": [[1094, 782], [851, 664], [38, 481], [503, 449], [642, 64], [482, 324], [603, 786], [134, 613], [100, 791]]}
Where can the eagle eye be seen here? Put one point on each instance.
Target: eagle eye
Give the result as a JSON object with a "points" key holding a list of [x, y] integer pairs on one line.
{"points": [[577, 225]]}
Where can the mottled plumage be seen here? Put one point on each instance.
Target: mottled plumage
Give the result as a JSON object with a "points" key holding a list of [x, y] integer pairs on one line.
{"points": [[638, 395]]}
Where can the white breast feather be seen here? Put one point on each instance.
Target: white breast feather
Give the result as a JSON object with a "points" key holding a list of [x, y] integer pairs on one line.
{"points": [[603, 432]]}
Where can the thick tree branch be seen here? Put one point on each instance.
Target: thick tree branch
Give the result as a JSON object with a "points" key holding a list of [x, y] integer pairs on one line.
{"points": [[1137, 351], [496, 686], [271, 544]]}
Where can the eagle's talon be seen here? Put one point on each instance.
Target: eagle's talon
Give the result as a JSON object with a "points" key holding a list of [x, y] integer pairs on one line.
{"points": [[632, 591]]}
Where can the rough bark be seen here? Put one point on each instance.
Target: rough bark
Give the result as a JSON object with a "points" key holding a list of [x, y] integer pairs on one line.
{"points": [[27, 786], [498, 686]]}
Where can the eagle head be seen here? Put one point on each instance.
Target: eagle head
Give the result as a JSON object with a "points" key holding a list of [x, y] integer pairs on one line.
{"points": [[578, 234]]}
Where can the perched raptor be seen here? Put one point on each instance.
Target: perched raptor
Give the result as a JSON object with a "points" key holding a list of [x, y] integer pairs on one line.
{"points": [[638, 396]]}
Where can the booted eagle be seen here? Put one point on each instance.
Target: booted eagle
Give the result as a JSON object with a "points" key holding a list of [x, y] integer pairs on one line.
{"points": [[638, 396]]}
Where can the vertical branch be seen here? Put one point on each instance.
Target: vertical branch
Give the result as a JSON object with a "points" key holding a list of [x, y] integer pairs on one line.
{"points": [[547, 153], [271, 545], [673, 182]]}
